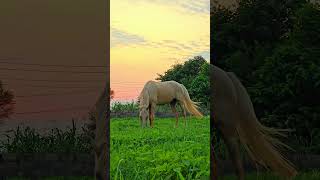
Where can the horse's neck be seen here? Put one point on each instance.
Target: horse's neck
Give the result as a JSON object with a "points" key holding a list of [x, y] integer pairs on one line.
{"points": [[101, 104], [144, 98]]}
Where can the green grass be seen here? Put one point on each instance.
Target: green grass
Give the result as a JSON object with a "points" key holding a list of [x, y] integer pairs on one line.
{"points": [[311, 175], [162, 152], [26, 139]]}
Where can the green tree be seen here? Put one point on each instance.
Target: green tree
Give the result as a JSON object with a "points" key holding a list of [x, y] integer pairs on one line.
{"points": [[243, 38], [194, 75], [200, 86], [184, 73], [274, 48], [288, 82]]}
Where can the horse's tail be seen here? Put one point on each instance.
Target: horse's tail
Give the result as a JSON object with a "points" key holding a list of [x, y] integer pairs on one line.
{"points": [[258, 140], [192, 107]]}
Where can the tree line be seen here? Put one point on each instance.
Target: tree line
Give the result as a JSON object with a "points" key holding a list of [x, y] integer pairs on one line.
{"points": [[274, 48]]}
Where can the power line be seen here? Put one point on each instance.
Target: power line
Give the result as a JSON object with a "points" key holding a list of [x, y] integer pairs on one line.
{"points": [[55, 84], [10, 58], [55, 110], [63, 87], [90, 81], [47, 80], [53, 71], [54, 94], [53, 65]]}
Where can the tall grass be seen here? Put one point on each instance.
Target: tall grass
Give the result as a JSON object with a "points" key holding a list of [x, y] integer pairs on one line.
{"points": [[162, 152], [26, 139]]}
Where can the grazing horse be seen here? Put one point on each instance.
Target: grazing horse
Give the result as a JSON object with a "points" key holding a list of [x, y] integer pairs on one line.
{"points": [[234, 115], [168, 92], [101, 117]]}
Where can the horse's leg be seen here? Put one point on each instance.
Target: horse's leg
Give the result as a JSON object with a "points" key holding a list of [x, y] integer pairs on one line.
{"points": [[152, 112], [232, 142], [184, 113], [150, 116], [173, 107], [213, 166]]}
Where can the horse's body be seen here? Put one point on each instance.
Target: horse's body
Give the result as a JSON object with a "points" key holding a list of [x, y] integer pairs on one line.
{"points": [[168, 92], [101, 127], [234, 115]]}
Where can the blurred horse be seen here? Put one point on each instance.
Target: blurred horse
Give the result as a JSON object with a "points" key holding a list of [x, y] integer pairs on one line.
{"points": [[234, 115], [101, 126], [168, 92]]}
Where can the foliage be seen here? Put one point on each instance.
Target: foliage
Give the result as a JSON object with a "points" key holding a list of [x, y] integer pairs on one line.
{"points": [[133, 107], [274, 48], [26, 139], [6, 102], [125, 107], [163, 152], [200, 86], [194, 75]]}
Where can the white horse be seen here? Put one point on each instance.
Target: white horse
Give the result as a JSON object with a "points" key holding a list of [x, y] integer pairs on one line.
{"points": [[168, 92]]}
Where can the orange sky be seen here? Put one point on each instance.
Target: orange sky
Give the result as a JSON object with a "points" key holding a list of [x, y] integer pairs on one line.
{"points": [[147, 37], [52, 32]]}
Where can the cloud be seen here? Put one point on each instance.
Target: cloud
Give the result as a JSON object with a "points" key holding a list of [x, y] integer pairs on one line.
{"points": [[204, 54], [187, 6], [122, 38], [178, 51], [172, 48], [174, 45], [199, 6]]}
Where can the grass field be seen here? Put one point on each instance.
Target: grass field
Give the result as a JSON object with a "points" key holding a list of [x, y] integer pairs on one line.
{"points": [[163, 152]]}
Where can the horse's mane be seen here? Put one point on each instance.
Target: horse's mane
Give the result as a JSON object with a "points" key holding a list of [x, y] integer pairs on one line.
{"points": [[100, 126], [143, 98]]}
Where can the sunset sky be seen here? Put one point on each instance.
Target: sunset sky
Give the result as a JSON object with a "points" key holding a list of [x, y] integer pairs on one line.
{"points": [[148, 37], [67, 38]]}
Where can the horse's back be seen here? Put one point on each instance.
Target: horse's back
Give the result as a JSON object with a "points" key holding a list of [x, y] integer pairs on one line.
{"points": [[163, 86], [224, 94], [223, 86], [163, 92]]}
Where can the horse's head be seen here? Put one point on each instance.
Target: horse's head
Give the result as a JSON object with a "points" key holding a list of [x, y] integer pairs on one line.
{"points": [[144, 116]]}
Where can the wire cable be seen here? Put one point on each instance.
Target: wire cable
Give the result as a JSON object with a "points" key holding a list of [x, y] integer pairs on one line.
{"points": [[53, 65], [58, 94], [53, 71], [61, 87], [54, 110], [47, 80]]}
